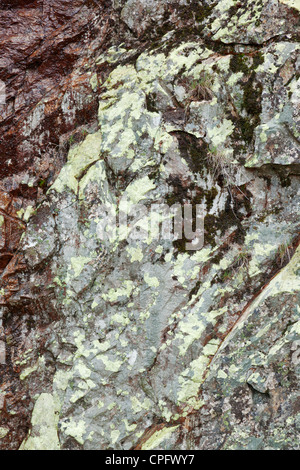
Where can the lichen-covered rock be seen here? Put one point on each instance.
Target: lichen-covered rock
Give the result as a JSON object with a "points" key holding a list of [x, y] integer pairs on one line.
{"points": [[121, 341]]}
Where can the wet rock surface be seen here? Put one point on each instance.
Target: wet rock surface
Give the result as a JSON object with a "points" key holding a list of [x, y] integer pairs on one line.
{"points": [[108, 341]]}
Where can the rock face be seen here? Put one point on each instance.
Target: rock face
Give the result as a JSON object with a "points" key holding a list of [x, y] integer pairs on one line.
{"points": [[114, 336]]}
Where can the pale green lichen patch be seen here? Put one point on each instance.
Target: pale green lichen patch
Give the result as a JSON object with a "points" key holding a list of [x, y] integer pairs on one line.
{"points": [[125, 290], [137, 191], [3, 432], [227, 25], [75, 429], [79, 159], [45, 416], [78, 264], [94, 82], [61, 380], [191, 379], [136, 254], [158, 437], [288, 280], [95, 175], [194, 324], [292, 3], [26, 214], [25, 373], [111, 365], [112, 55], [151, 281], [219, 134]]}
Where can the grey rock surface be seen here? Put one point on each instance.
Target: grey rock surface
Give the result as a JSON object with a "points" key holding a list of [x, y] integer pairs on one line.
{"points": [[126, 342]]}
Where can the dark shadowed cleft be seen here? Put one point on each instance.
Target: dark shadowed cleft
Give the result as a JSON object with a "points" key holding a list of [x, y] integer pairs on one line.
{"points": [[193, 150]]}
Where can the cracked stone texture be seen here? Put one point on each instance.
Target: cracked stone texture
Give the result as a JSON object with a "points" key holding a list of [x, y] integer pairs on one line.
{"points": [[117, 343]]}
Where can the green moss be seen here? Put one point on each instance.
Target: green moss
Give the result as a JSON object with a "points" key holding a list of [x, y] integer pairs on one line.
{"points": [[226, 275], [202, 11], [239, 63], [210, 196], [252, 105], [171, 199], [247, 129], [222, 223], [180, 245], [283, 175], [195, 11], [192, 17], [258, 59], [195, 290], [216, 259], [193, 150], [210, 229], [181, 194], [252, 96], [252, 93], [42, 183], [71, 140], [151, 103], [233, 10]]}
